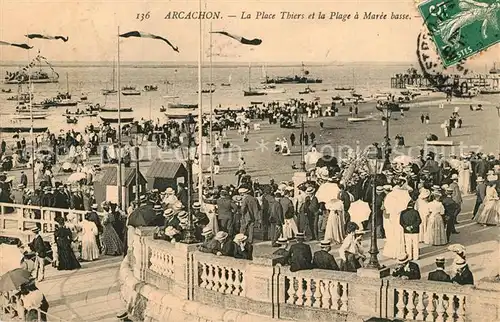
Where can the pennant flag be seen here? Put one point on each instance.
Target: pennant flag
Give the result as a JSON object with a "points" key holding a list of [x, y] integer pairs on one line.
{"points": [[23, 46], [39, 36], [244, 41], [147, 35]]}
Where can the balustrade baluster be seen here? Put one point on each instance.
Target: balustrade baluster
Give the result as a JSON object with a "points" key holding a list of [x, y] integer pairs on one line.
{"points": [[334, 291], [242, 283], [400, 305], [211, 276], [216, 278], [460, 309], [300, 291], [316, 293], [222, 280], [344, 299], [448, 310], [325, 295], [308, 292], [412, 307], [204, 276], [154, 261], [439, 308], [227, 280], [235, 278], [291, 290], [420, 307]]}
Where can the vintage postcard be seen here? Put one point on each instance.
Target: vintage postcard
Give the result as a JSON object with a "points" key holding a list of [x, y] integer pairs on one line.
{"points": [[259, 160]]}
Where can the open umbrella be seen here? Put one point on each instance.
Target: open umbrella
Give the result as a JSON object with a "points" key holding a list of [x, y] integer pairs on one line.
{"points": [[142, 216], [11, 280], [327, 191], [359, 211], [10, 258], [77, 176]]}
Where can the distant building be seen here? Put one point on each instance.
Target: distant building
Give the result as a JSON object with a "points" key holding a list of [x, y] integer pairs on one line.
{"points": [[106, 189]]}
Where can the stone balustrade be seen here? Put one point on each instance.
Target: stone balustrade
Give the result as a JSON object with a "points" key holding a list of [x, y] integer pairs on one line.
{"points": [[206, 287]]}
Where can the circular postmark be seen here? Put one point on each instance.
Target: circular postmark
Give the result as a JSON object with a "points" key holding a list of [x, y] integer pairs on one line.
{"points": [[432, 67]]}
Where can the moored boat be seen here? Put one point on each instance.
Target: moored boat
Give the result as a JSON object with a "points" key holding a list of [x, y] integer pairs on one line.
{"points": [[303, 79], [343, 88], [36, 116], [130, 91], [251, 92], [307, 90], [178, 116], [86, 114], [489, 91], [22, 129], [22, 97], [359, 119], [30, 74], [150, 88], [182, 105], [123, 109], [114, 118]]}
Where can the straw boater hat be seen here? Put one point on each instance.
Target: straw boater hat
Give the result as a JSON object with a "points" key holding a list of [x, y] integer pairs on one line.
{"points": [[325, 244], [454, 176], [300, 235], [168, 212], [310, 190], [178, 206], [424, 193], [206, 231], [196, 205], [35, 230], [460, 263], [142, 198], [479, 179], [169, 191], [282, 241], [242, 190], [182, 215], [239, 238], [221, 235], [157, 208], [403, 258], [440, 260], [379, 189]]}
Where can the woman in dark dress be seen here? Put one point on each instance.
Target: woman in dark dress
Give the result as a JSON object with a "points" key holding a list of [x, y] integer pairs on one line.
{"points": [[66, 257], [112, 245]]}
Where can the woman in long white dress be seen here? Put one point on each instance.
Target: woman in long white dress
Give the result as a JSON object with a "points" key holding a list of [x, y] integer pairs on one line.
{"points": [[90, 250], [335, 224], [395, 202], [436, 233], [464, 176], [489, 211]]}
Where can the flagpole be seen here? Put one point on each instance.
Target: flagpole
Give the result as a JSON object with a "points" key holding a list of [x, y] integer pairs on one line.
{"points": [[119, 172], [200, 114], [30, 92], [211, 110]]}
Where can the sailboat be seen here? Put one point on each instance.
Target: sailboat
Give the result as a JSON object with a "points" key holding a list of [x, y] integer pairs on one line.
{"points": [[173, 90], [250, 91], [111, 91], [228, 82], [494, 69]]}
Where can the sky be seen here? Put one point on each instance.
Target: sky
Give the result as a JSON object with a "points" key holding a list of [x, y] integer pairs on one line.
{"points": [[92, 27]]}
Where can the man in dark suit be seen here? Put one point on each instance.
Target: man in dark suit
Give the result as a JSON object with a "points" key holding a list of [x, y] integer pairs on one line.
{"points": [[480, 194], [406, 269], [410, 221], [276, 220], [439, 275], [313, 213], [37, 245], [224, 247], [463, 275], [482, 166], [451, 210], [249, 213], [226, 208], [323, 259], [24, 179], [300, 254]]}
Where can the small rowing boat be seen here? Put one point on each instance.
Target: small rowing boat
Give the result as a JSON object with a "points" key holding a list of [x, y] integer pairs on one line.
{"points": [[24, 116], [80, 114], [114, 119], [182, 105], [123, 109], [23, 129], [359, 119]]}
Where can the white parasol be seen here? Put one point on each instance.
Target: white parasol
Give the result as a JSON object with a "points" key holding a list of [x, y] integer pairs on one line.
{"points": [[396, 201], [10, 258], [312, 157], [327, 191], [359, 211], [75, 177], [403, 159]]}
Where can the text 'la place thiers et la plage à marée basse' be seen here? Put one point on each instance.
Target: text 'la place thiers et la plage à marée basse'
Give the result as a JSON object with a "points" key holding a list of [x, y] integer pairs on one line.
{"points": [[332, 15]]}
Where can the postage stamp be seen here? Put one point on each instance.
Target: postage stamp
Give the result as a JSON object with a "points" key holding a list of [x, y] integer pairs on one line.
{"points": [[461, 28]]}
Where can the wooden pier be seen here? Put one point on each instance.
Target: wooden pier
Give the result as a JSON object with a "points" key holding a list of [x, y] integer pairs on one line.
{"points": [[402, 80]]}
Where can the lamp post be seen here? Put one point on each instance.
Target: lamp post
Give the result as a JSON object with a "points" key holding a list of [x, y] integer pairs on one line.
{"points": [[138, 136], [190, 127], [387, 109], [373, 267], [302, 142]]}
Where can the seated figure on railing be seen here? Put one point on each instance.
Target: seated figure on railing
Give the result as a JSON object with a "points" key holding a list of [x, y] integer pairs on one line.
{"points": [[300, 254], [439, 274], [242, 248], [462, 275], [351, 251], [209, 244], [406, 269], [323, 259]]}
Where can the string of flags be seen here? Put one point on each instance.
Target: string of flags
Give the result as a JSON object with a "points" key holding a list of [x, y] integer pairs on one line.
{"points": [[23, 46], [242, 40], [141, 34], [40, 36]]}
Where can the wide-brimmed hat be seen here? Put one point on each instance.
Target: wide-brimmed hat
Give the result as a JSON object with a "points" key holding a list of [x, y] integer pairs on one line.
{"points": [[440, 260], [178, 206], [242, 190], [206, 231], [182, 215], [168, 212], [454, 176], [403, 258], [196, 205], [460, 262], [240, 238], [491, 178], [424, 193], [169, 191], [310, 190], [457, 248], [221, 235], [479, 179]]}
